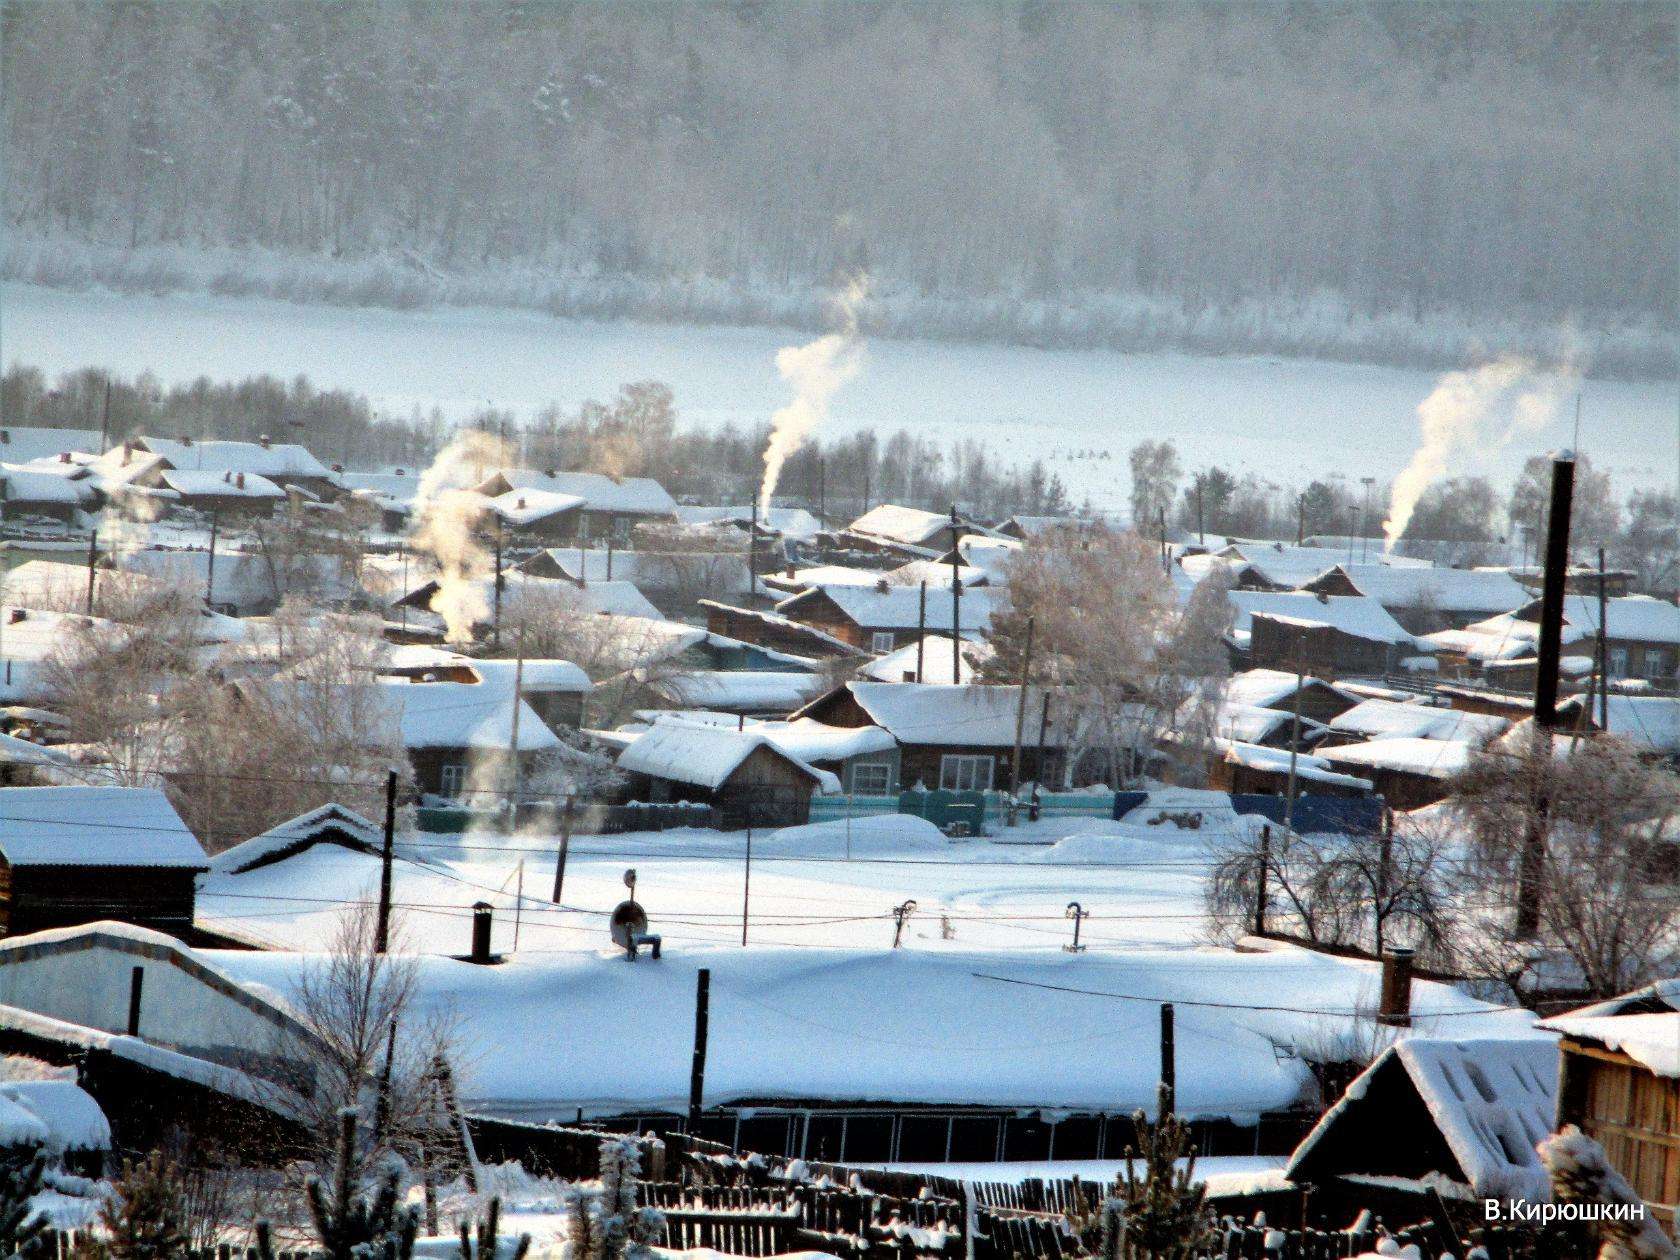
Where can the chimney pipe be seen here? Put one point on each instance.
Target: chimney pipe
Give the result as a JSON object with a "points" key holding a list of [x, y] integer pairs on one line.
{"points": [[481, 933], [1551, 591], [1396, 1011]]}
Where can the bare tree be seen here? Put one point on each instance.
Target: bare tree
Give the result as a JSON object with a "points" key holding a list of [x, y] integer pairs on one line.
{"points": [[1607, 895]]}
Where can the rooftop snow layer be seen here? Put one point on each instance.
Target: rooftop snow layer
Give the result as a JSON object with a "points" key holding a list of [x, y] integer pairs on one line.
{"points": [[71, 1119], [902, 524], [634, 496], [1485, 591], [701, 755], [942, 713], [277, 459], [1388, 718], [21, 443], [1356, 615], [94, 826], [526, 507], [810, 1024], [899, 665], [190, 482], [899, 607], [1434, 758], [1266, 688]]}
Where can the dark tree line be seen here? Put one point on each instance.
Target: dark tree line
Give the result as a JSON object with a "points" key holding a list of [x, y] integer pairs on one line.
{"points": [[637, 433], [1055, 168]]}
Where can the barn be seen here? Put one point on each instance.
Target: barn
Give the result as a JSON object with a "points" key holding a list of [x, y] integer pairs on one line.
{"points": [[72, 855], [747, 780]]}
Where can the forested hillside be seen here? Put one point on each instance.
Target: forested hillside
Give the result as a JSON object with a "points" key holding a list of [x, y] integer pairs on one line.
{"points": [[1052, 172]]}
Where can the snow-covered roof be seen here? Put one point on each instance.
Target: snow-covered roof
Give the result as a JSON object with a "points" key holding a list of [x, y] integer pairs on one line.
{"points": [[525, 507], [295, 833], [1485, 591], [20, 444], [1267, 688], [396, 489], [636, 496], [27, 485], [900, 663], [702, 755], [618, 597], [1650, 722], [1252, 724], [214, 455], [1638, 618], [1433, 758], [1276, 761], [898, 607], [1357, 615], [1033, 526], [903, 524], [1492, 1100], [994, 555], [1388, 718], [937, 573], [190, 483], [943, 713], [794, 1023], [69, 1117], [94, 826], [824, 575], [812, 741], [538, 674], [753, 690], [464, 715], [791, 522]]}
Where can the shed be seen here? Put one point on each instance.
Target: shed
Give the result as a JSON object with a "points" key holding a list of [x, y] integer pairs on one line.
{"points": [[72, 855], [1406, 771], [744, 776], [1460, 1117]]}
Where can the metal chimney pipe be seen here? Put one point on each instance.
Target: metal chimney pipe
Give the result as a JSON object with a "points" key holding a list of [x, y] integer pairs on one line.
{"points": [[481, 932], [1396, 1009]]}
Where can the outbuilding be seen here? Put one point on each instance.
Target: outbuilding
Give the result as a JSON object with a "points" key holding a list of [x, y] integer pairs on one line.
{"points": [[747, 780]]}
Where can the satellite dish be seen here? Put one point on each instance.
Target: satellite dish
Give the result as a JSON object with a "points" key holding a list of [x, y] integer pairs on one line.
{"points": [[628, 921]]}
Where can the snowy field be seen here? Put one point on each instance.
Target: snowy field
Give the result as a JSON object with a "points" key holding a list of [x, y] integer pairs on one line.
{"points": [[1079, 410]]}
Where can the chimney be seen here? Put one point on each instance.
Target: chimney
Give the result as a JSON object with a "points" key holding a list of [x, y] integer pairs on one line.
{"points": [[790, 568], [19, 614], [338, 468], [239, 480], [185, 440], [128, 453], [63, 456], [548, 472], [264, 441], [881, 586], [5, 437], [481, 933], [521, 505], [1553, 582], [1396, 1011]]}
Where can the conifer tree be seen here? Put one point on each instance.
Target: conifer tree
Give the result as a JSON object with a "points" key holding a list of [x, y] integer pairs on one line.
{"points": [[22, 1228], [351, 1226], [146, 1214], [1156, 1210]]}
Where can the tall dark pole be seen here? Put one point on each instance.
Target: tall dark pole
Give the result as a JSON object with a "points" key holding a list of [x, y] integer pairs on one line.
{"points": [[210, 564], [1021, 717], [1043, 729], [1201, 520], [1603, 652], [921, 632], [565, 848], [1300, 519], [822, 489], [752, 552], [382, 933], [746, 886], [496, 624], [93, 556], [1532, 864], [1169, 1065], [105, 417], [697, 1072], [1166, 562], [956, 603]]}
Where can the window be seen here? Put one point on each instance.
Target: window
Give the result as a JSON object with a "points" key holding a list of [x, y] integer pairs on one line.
{"points": [[965, 773], [450, 778], [871, 778], [881, 642], [1618, 662]]}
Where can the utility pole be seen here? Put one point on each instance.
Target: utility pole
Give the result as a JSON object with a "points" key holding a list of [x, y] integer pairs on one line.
{"points": [[1169, 1065], [496, 624], [1531, 866], [210, 563], [1261, 893], [1603, 652], [822, 489], [1043, 727], [921, 632], [382, 931], [93, 556], [1166, 560], [746, 885], [1295, 732], [105, 417], [956, 604], [1365, 519], [1020, 723], [752, 552], [1201, 521], [697, 1072], [1300, 519], [518, 703], [565, 847]]}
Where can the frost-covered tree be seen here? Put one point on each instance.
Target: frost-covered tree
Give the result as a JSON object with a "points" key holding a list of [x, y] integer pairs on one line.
{"points": [[1155, 1210], [607, 1222], [145, 1215], [1155, 472], [22, 1225], [1580, 1173]]}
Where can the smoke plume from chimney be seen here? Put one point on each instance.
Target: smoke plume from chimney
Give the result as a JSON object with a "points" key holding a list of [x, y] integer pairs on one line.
{"points": [[446, 518]]}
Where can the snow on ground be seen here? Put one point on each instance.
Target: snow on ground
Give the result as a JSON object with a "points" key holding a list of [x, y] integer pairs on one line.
{"points": [[1219, 1172], [1080, 410], [1141, 883]]}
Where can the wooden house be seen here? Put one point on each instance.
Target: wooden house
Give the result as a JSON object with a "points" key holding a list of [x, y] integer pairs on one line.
{"points": [[1406, 771], [1329, 636], [877, 619], [1424, 600], [282, 464], [72, 855], [776, 631], [907, 532], [1432, 1115], [224, 494], [1642, 640], [34, 492], [1319, 701], [950, 736], [328, 824], [1619, 1080], [748, 780], [604, 506]]}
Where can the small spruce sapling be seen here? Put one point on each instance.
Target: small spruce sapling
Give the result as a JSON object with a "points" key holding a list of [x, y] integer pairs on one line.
{"points": [[1158, 1213], [22, 1227], [351, 1226], [146, 1213], [608, 1224], [481, 1243]]}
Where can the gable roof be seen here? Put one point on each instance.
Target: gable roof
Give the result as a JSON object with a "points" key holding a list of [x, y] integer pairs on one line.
{"points": [[905, 524], [1431, 758], [1640, 618], [1491, 1100], [217, 455], [1359, 616], [970, 714], [246, 485], [635, 496], [936, 661], [1485, 591], [898, 607], [332, 824], [95, 826], [19, 444], [1268, 688], [1390, 718], [527, 506], [19, 484], [701, 755]]}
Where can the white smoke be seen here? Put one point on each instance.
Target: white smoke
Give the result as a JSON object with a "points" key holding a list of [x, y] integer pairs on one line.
{"points": [[1473, 414], [447, 514], [815, 370]]}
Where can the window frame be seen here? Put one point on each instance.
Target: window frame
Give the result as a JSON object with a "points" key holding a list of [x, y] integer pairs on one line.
{"points": [[875, 638], [952, 768]]}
